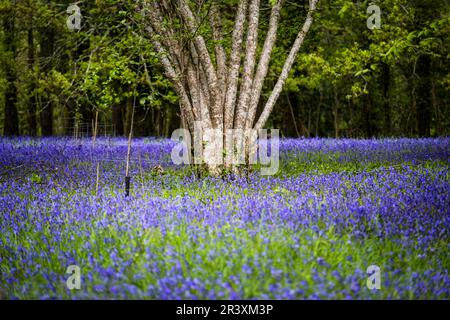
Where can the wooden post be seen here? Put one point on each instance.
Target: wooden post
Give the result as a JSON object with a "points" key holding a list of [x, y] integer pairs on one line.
{"points": [[95, 128], [98, 178], [141, 171], [127, 177], [76, 129]]}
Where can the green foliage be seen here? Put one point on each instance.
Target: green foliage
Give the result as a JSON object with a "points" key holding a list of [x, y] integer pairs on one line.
{"points": [[342, 63], [35, 178], [345, 63]]}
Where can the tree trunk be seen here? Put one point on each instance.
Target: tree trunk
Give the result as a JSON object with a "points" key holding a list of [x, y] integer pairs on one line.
{"points": [[118, 119], [367, 110], [385, 78], [128, 115], [291, 109], [435, 104], [308, 126], [335, 112], [319, 113], [350, 107], [423, 96], [47, 51], [235, 61], [32, 100], [11, 115], [69, 115], [249, 65]]}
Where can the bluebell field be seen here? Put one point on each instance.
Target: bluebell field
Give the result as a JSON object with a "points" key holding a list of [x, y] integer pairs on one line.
{"points": [[310, 232]]}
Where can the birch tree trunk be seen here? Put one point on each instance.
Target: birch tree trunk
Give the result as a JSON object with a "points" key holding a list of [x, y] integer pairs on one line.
{"points": [[214, 96]]}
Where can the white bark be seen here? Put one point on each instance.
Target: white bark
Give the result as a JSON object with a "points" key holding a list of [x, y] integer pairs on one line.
{"points": [[185, 104], [263, 65], [249, 65], [167, 37], [208, 91], [205, 59], [235, 61], [221, 58]]}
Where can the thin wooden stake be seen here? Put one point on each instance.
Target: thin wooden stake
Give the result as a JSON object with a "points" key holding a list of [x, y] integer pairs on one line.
{"points": [[141, 170], [127, 177], [98, 178], [95, 128]]}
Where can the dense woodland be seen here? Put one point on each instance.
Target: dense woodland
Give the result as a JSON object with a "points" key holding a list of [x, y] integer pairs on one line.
{"points": [[347, 81]]}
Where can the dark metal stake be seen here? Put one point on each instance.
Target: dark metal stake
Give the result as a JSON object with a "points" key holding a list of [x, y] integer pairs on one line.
{"points": [[127, 186]]}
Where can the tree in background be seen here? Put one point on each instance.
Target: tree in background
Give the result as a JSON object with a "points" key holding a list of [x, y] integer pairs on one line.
{"points": [[365, 83], [9, 13]]}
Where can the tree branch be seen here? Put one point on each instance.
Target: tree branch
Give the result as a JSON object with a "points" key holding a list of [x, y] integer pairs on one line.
{"points": [[155, 14], [235, 61], [205, 59], [197, 91], [249, 64], [263, 65], [185, 104], [221, 58], [287, 66]]}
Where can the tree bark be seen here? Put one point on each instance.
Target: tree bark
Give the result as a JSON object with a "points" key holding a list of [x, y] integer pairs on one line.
{"points": [[32, 100], [118, 119], [385, 78], [263, 65], [185, 104], [423, 95], [249, 65], [47, 51], [235, 61], [368, 114], [336, 112], [437, 114], [318, 114], [205, 60], [11, 115], [291, 109], [221, 58], [208, 91]]}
